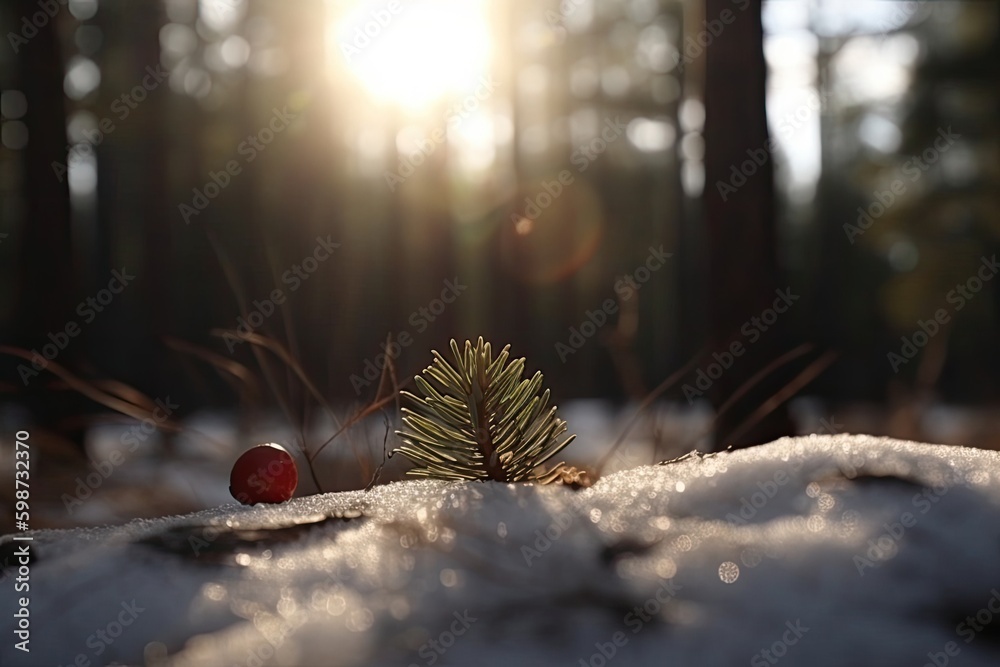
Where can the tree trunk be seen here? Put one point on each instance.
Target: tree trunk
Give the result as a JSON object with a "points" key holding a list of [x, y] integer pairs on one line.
{"points": [[45, 271], [739, 217], [46, 275]]}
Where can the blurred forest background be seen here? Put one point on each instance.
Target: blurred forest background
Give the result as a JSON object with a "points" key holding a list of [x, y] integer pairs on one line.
{"points": [[499, 168]]}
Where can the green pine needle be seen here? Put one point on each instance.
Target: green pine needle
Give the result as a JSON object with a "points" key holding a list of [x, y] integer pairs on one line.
{"points": [[479, 420]]}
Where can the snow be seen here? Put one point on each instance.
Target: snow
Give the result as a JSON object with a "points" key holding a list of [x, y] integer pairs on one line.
{"points": [[849, 550]]}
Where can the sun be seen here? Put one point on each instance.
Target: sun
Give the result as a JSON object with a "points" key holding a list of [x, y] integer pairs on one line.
{"points": [[412, 52]]}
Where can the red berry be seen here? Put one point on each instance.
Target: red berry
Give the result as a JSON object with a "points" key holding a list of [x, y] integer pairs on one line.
{"points": [[264, 474]]}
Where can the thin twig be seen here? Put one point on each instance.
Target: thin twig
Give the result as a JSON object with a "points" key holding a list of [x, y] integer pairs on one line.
{"points": [[749, 384], [232, 277], [94, 393], [229, 367], [361, 414], [385, 440], [805, 348], [91, 391], [646, 402], [810, 373]]}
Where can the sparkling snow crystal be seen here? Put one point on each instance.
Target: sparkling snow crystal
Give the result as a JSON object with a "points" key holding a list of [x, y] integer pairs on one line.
{"points": [[832, 550]]}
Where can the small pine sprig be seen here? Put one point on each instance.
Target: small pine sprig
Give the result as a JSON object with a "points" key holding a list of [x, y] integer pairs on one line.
{"points": [[479, 420]]}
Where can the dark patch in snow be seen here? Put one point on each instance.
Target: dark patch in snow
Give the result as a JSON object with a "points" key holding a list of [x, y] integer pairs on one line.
{"points": [[626, 548], [887, 481], [219, 545]]}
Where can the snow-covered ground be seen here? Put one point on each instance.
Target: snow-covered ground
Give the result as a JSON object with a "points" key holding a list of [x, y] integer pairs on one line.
{"points": [[820, 550]]}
